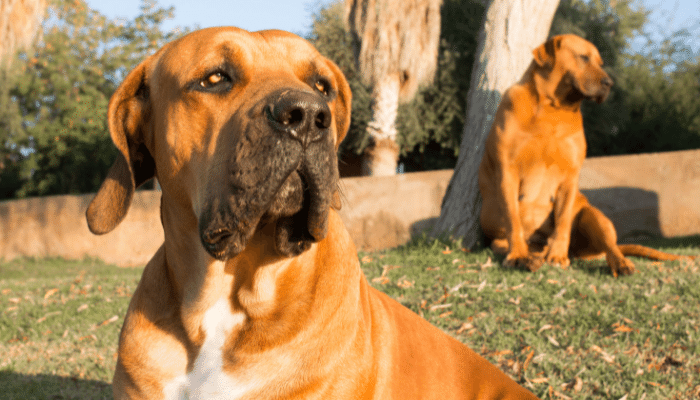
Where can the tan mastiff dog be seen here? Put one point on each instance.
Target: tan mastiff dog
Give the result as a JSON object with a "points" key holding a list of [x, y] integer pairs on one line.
{"points": [[532, 207], [257, 292]]}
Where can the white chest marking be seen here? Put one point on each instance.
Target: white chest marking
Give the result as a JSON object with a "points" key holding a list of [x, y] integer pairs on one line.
{"points": [[207, 380]]}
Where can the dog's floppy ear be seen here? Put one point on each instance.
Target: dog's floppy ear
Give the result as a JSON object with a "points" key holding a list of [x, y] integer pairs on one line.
{"points": [[128, 115], [342, 111], [544, 55], [343, 103]]}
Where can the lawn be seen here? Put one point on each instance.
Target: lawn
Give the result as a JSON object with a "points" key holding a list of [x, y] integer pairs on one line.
{"points": [[575, 333]]}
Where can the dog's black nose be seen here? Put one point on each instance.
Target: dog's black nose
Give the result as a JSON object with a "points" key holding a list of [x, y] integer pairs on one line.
{"points": [[304, 116]]}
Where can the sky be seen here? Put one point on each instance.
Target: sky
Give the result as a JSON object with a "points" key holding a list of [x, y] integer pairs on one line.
{"points": [[295, 15], [252, 15]]}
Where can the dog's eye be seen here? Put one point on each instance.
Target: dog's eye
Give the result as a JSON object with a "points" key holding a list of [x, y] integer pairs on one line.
{"points": [[585, 58], [323, 86], [214, 79]]}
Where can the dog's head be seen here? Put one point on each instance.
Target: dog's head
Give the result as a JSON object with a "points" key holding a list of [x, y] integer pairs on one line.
{"points": [[241, 129], [575, 64]]}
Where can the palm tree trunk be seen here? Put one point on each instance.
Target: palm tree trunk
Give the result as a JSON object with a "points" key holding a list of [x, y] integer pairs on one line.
{"points": [[381, 156]]}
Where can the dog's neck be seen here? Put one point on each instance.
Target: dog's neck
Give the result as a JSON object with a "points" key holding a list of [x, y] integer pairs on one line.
{"points": [[551, 88], [267, 288]]}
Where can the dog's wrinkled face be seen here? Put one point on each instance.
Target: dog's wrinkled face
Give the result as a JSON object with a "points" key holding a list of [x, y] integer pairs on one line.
{"points": [[243, 128], [579, 65]]}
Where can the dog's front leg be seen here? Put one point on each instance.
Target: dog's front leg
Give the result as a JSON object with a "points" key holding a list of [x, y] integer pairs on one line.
{"points": [[508, 197], [564, 213]]}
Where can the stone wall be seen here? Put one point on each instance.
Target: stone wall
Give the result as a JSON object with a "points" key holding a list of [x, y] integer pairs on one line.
{"points": [[644, 195]]}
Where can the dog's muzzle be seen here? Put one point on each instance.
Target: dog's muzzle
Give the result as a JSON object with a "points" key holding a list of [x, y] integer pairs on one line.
{"points": [[287, 180]]}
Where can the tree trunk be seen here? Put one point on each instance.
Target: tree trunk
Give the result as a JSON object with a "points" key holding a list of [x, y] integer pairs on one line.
{"points": [[512, 30], [382, 154]]}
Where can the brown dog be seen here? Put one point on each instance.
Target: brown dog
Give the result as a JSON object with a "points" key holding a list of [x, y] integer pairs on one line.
{"points": [[532, 207], [257, 292]]}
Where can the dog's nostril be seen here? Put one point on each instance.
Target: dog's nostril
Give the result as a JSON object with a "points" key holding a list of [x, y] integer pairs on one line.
{"points": [[323, 120], [295, 117]]}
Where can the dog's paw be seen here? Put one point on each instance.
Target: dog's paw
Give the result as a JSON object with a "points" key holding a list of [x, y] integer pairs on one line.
{"points": [[529, 262], [621, 266], [560, 260]]}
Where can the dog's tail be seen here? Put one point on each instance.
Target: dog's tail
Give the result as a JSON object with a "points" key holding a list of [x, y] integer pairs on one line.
{"points": [[637, 250]]}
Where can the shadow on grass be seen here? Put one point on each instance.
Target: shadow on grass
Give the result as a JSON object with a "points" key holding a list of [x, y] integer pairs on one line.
{"points": [[590, 267], [675, 242], [17, 386], [600, 267]]}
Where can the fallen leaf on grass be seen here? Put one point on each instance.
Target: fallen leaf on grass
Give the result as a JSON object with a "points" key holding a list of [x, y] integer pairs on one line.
{"points": [[109, 321], [655, 384], [50, 293], [528, 359], [366, 259], [487, 264], [6, 291], [51, 314], [381, 280], [515, 301], [445, 314], [666, 308], [440, 306], [553, 341], [404, 283], [607, 357], [457, 287], [576, 385], [465, 327], [560, 294], [623, 328], [482, 285], [14, 300], [522, 285], [539, 380], [447, 251], [545, 327], [502, 353], [83, 307]]}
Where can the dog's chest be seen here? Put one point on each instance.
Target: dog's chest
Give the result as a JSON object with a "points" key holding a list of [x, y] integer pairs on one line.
{"points": [[207, 380]]}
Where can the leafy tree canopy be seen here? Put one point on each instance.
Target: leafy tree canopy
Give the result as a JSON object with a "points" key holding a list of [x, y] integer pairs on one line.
{"points": [[53, 129]]}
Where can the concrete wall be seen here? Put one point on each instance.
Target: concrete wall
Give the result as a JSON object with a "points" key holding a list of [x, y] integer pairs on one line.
{"points": [[644, 195]]}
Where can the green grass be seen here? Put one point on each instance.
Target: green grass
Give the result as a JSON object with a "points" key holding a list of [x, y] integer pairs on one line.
{"points": [[59, 326], [572, 333]]}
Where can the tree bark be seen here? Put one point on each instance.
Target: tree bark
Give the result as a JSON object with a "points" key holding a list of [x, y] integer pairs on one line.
{"points": [[382, 154], [512, 30]]}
